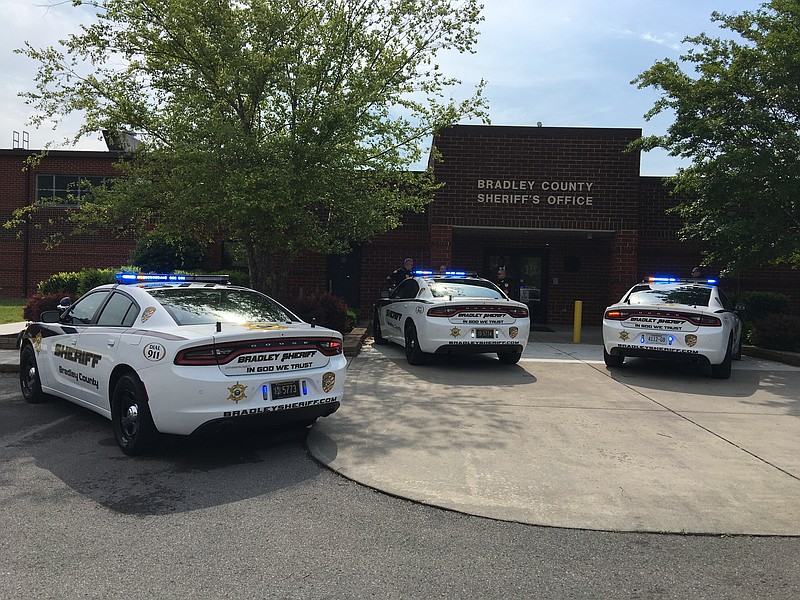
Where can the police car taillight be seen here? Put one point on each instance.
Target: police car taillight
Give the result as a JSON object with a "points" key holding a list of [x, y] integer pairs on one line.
{"points": [[331, 347], [442, 311], [199, 356], [616, 315], [705, 320]]}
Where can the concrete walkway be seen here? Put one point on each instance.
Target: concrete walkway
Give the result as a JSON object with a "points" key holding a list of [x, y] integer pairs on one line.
{"points": [[559, 440]]}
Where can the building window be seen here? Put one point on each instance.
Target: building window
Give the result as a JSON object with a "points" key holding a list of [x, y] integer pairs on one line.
{"points": [[67, 189]]}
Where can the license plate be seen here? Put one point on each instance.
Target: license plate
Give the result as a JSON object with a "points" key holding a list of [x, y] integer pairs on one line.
{"points": [[284, 389], [655, 339], [484, 333]]}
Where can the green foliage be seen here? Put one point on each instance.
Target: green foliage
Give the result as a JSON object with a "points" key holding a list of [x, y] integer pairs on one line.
{"points": [[38, 303], [777, 332], [760, 304], [353, 316], [76, 282], [235, 277], [288, 125], [327, 309], [158, 252], [737, 119]]}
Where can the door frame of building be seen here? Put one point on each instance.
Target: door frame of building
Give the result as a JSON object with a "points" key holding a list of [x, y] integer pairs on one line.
{"points": [[513, 259]]}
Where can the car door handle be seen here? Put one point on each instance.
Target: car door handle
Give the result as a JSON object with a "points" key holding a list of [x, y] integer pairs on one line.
{"points": [[110, 343]]}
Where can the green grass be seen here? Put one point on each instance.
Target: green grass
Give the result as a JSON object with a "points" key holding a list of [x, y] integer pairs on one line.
{"points": [[11, 310]]}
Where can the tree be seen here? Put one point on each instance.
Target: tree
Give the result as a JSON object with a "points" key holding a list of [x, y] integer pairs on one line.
{"points": [[737, 119], [286, 124]]}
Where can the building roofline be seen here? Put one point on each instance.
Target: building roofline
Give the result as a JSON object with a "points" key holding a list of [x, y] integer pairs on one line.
{"points": [[533, 130], [61, 153]]}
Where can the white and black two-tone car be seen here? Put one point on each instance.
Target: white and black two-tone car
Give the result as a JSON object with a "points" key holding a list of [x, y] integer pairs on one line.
{"points": [[674, 319], [433, 313], [162, 354]]}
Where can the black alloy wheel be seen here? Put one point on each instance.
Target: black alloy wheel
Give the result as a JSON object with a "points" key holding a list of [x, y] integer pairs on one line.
{"points": [[133, 424], [29, 381], [377, 334], [414, 355]]}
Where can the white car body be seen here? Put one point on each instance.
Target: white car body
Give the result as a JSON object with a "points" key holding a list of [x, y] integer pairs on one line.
{"points": [[668, 318], [450, 314], [200, 367]]}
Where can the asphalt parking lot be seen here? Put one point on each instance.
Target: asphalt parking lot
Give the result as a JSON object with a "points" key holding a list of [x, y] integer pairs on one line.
{"points": [[560, 440]]}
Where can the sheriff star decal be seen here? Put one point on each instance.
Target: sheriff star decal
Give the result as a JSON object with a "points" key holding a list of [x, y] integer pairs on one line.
{"points": [[37, 342], [624, 336], [237, 391], [455, 332]]}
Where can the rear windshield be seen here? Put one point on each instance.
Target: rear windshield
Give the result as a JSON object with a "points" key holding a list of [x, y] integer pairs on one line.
{"points": [[464, 288], [191, 306], [691, 295]]}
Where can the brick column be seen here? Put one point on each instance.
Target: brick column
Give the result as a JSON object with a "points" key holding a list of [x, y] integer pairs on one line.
{"points": [[441, 246], [624, 258]]}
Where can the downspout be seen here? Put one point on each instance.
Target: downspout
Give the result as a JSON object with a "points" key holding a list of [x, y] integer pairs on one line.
{"points": [[26, 238]]}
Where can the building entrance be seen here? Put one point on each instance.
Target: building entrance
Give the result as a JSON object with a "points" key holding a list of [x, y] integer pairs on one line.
{"points": [[525, 269]]}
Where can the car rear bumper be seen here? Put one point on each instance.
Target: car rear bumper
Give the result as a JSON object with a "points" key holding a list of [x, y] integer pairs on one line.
{"points": [[480, 348], [701, 346], [187, 399], [254, 419]]}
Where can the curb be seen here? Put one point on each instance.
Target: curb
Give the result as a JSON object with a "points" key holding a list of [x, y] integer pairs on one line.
{"points": [[787, 358], [354, 340]]}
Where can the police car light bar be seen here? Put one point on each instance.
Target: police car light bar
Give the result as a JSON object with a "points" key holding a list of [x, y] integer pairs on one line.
{"points": [[426, 273], [129, 278], [678, 279]]}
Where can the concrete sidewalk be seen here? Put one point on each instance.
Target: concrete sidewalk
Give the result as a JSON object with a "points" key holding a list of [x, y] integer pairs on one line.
{"points": [[559, 440]]}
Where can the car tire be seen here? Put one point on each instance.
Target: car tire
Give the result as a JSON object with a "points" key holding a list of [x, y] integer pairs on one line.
{"points": [[414, 355], [613, 361], [134, 429], [509, 358], [377, 334], [723, 370], [29, 381]]}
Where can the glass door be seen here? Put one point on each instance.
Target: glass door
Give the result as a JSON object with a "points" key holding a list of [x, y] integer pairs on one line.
{"points": [[526, 272], [530, 286]]}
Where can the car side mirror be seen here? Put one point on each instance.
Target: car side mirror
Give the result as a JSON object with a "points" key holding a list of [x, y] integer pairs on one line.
{"points": [[50, 316]]}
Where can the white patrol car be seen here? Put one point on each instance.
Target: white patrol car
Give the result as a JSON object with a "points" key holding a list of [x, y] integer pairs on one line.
{"points": [[170, 355], [677, 319], [451, 312]]}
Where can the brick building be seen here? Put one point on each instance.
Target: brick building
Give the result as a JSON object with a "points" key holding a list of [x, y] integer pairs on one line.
{"points": [[565, 209]]}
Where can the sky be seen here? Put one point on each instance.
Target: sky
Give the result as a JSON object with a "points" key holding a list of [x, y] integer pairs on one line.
{"points": [[565, 64]]}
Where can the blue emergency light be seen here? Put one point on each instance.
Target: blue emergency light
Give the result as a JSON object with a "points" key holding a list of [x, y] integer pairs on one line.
{"points": [[678, 279], [130, 278], [425, 273]]}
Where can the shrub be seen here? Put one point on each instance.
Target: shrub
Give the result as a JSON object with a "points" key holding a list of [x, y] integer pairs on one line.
{"points": [[328, 310], [234, 277], [352, 314], [78, 282], [760, 304], [777, 332], [38, 303], [157, 252], [59, 282]]}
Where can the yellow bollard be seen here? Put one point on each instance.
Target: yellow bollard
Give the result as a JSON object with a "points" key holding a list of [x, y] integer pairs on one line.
{"points": [[576, 324]]}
